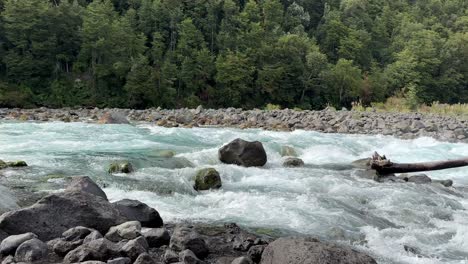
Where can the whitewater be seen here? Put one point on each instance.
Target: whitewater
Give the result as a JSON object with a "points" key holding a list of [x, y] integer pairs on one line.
{"points": [[327, 198]]}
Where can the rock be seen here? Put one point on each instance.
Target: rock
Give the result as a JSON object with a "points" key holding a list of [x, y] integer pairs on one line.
{"points": [[188, 257], [17, 164], [135, 247], [255, 253], [207, 179], [3, 165], [56, 213], [293, 162], [446, 183], [311, 251], [144, 258], [166, 153], [85, 184], [243, 153], [419, 179], [100, 249], [61, 247], [170, 256], [76, 233], [93, 262], [31, 250], [95, 235], [3, 235], [361, 163], [185, 237], [11, 243], [137, 211], [122, 167], [242, 260], [120, 261], [127, 230], [287, 151], [113, 118], [9, 260], [198, 110], [156, 237]]}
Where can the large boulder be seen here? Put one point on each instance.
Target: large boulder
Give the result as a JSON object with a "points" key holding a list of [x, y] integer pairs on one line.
{"points": [[243, 153], [137, 211], [207, 179], [85, 184], [311, 251], [113, 118], [55, 213]]}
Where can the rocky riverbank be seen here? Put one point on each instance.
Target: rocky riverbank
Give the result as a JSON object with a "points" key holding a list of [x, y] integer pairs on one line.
{"points": [[403, 125], [79, 225]]}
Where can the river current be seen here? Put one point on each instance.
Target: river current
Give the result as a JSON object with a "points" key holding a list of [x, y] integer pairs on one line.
{"points": [[327, 198]]}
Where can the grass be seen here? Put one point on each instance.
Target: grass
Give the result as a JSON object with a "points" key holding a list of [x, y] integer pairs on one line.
{"points": [[400, 105]]}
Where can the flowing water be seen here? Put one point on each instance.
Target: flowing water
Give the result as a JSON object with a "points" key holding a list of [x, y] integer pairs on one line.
{"points": [[327, 198]]}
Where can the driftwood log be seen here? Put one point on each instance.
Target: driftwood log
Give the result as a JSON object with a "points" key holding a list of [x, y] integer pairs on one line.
{"points": [[384, 166]]}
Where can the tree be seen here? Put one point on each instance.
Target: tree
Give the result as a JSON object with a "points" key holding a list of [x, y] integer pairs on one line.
{"points": [[344, 82]]}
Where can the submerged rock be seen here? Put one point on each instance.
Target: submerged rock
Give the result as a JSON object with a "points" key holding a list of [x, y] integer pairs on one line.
{"points": [[207, 179], [19, 163], [287, 151], [138, 211], [55, 213], [293, 162], [446, 183], [243, 153], [311, 251], [122, 167]]}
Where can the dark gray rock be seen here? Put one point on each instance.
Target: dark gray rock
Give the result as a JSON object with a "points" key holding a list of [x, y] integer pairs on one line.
{"points": [[185, 237], [156, 237], [293, 162], [100, 249], [76, 233], [419, 179], [188, 257], [446, 183], [127, 230], [311, 251], [31, 250], [135, 247], [62, 247], [170, 256], [242, 260], [3, 235], [95, 235], [93, 262], [11, 243], [255, 253], [9, 260], [144, 258], [243, 153], [120, 167], [85, 184], [206, 179], [120, 261], [135, 210], [56, 213]]}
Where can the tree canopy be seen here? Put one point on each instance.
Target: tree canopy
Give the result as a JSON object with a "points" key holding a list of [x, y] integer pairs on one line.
{"points": [[222, 53]]}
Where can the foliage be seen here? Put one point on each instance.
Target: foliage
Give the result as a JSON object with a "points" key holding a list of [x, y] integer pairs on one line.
{"points": [[220, 53]]}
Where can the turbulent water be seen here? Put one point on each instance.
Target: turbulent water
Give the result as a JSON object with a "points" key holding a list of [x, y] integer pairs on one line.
{"points": [[327, 198]]}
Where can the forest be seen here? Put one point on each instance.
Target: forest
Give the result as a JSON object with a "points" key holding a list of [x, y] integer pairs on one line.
{"points": [[307, 54]]}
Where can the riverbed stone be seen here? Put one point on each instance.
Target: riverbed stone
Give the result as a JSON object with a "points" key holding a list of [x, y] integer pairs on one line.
{"points": [[293, 162], [243, 153], [85, 184], [185, 237], [135, 247], [17, 164], [11, 243], [31, 250], [58, 212], [144, 258], [311, 251], [127, 230], [120, 260], [206, 179], [113, 118], [138, 211], [100, 249], [188, 257], [446, 183], [156, 237], [419, 179], [242, 260], [120, 167]]}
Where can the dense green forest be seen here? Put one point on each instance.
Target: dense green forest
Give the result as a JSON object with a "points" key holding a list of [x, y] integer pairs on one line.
{"points": [[241, 53]]}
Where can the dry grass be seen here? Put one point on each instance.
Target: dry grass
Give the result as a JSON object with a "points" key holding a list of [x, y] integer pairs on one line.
{"points": [[400, 105]]}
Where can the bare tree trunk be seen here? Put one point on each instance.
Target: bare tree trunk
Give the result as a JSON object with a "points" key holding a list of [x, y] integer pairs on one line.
{"points": [[384, 166]]}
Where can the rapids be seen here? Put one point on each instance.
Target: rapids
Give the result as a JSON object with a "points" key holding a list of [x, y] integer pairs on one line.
{"points": [[326, 198]]}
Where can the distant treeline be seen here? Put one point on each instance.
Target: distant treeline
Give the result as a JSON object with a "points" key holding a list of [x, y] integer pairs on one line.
{"points": [[241, 53]]}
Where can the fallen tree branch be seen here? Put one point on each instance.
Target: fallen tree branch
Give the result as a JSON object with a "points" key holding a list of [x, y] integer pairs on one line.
{"points": [[384, 166]]}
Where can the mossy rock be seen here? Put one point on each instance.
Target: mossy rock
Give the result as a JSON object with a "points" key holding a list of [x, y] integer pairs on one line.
{"points": [[3, 164], [293, 162], [122, 167], [19, 163], [207, 179], [287, 151]]}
